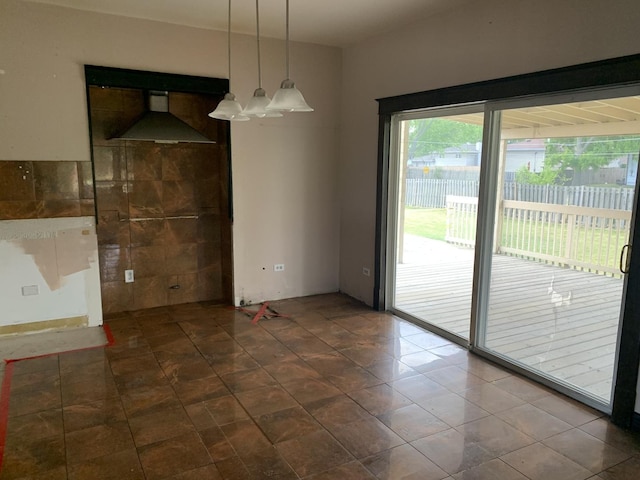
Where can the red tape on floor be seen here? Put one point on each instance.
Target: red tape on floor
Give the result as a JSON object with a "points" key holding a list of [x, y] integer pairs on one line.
{"points": [[4, 407], [265, 311]]}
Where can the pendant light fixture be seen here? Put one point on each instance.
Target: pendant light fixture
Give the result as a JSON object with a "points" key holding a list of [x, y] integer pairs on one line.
{"points": [[259, 102], [229, 108], [288, 98]]}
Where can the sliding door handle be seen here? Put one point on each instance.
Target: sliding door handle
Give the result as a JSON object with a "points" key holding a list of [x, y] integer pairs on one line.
{"points": [[624, 259]]}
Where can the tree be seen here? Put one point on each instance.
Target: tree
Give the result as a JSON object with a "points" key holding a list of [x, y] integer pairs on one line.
{"points": [[548, 176], [582, 153], [435, 135]]}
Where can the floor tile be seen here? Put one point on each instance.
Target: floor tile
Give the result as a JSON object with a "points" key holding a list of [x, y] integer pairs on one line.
{"points": [[336, 391], [293, 370], [586, 450], [491, 398], [627, 470], [403, 462], [454, 378], [245, 437], [494, 469], [78, 417], [522, 388], [451, 451], [170, 457], [412, 422], [452, 409], [348, 471], [233, 469], [390, 370], [494, 435], [27, 459], [216, 412], [419, 388], [268, 464], [123, 465], [216, 443], [313, 453], [161, 425], [98, 441], [380, 399], [336, 412], [538, 462], [201, 389], [367, 437], [148, 400], [248, 380], [36, 426], [567, 410], [265, 400], [208, 472], [308, 390], [287, 424], [603, 429], [534, 422]]}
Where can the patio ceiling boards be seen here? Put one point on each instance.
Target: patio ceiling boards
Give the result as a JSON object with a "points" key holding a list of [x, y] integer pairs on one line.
{"points": [[615, 116]]}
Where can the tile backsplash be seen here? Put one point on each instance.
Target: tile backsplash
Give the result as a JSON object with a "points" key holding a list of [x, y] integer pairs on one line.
{"points": [[45, 189], [162, 208]]}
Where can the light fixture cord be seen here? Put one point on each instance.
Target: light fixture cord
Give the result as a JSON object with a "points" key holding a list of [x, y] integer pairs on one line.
{"points": [[287, 49], [258, 37], [229, 42]]}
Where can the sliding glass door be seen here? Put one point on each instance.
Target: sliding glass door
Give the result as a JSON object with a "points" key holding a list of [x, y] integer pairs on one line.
{"points": [[509, 225], [438, 172], [566, 175]]}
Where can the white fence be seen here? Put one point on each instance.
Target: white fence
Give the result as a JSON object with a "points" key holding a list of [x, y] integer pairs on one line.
{"points": [[579, 237], [430, 193]]}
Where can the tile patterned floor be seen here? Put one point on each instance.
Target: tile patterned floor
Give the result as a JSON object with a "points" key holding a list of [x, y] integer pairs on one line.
{"points": [[337, 391]]}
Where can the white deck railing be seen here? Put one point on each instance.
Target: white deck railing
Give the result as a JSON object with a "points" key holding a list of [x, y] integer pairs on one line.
{"points": [[579, 237]]}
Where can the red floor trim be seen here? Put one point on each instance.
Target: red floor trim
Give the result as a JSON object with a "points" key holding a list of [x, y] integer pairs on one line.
{"points": [[4, 406]]}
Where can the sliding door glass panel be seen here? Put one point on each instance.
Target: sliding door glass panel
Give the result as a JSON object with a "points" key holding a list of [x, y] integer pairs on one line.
{"points": [[564, 199], [438, 169]]}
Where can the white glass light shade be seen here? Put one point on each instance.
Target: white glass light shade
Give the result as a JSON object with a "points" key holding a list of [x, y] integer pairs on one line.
{"points": [[257, 106], [229, 109], [289, 99]]}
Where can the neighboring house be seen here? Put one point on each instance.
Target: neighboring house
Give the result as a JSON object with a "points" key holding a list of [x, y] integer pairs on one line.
{"points": [[529, 153]]}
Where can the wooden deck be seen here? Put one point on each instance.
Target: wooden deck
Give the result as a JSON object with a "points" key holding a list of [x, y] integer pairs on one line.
{"points": [[573, 340]]}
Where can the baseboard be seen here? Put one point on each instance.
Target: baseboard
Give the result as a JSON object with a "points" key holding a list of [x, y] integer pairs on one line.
{"points": [[34, 327]]}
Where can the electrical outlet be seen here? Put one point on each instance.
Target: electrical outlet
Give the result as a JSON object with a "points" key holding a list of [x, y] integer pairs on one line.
{"points": [[366, 272], [28, 290], [278, 267], [128, 276]]}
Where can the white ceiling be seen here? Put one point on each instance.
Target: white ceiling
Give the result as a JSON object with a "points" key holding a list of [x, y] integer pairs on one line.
{"points": [[326, 22]]}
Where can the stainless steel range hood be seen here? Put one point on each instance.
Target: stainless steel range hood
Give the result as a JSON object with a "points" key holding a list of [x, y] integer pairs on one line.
{"points": [[160, 126]]}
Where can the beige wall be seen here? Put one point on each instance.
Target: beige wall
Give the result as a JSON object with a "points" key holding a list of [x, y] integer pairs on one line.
{"points": [[490, 39], [285, 170]]}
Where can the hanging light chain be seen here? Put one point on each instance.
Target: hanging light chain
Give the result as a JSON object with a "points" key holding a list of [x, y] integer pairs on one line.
{"points": [[258, 42], [229, 42], [287, 49]]}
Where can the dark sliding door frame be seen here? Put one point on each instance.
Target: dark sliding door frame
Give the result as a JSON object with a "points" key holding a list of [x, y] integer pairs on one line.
{"points": [[617, 72]]}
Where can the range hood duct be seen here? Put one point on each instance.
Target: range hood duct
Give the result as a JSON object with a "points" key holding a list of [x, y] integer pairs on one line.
{"points": [[160, 126]]}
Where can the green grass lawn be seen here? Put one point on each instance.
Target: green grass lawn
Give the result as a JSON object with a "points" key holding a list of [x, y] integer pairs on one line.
{"points": [[426, 222]]}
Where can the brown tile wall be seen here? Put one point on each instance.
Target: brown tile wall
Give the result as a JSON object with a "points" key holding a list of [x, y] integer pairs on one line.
{"points": [[43, 189], [162, 209]]}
